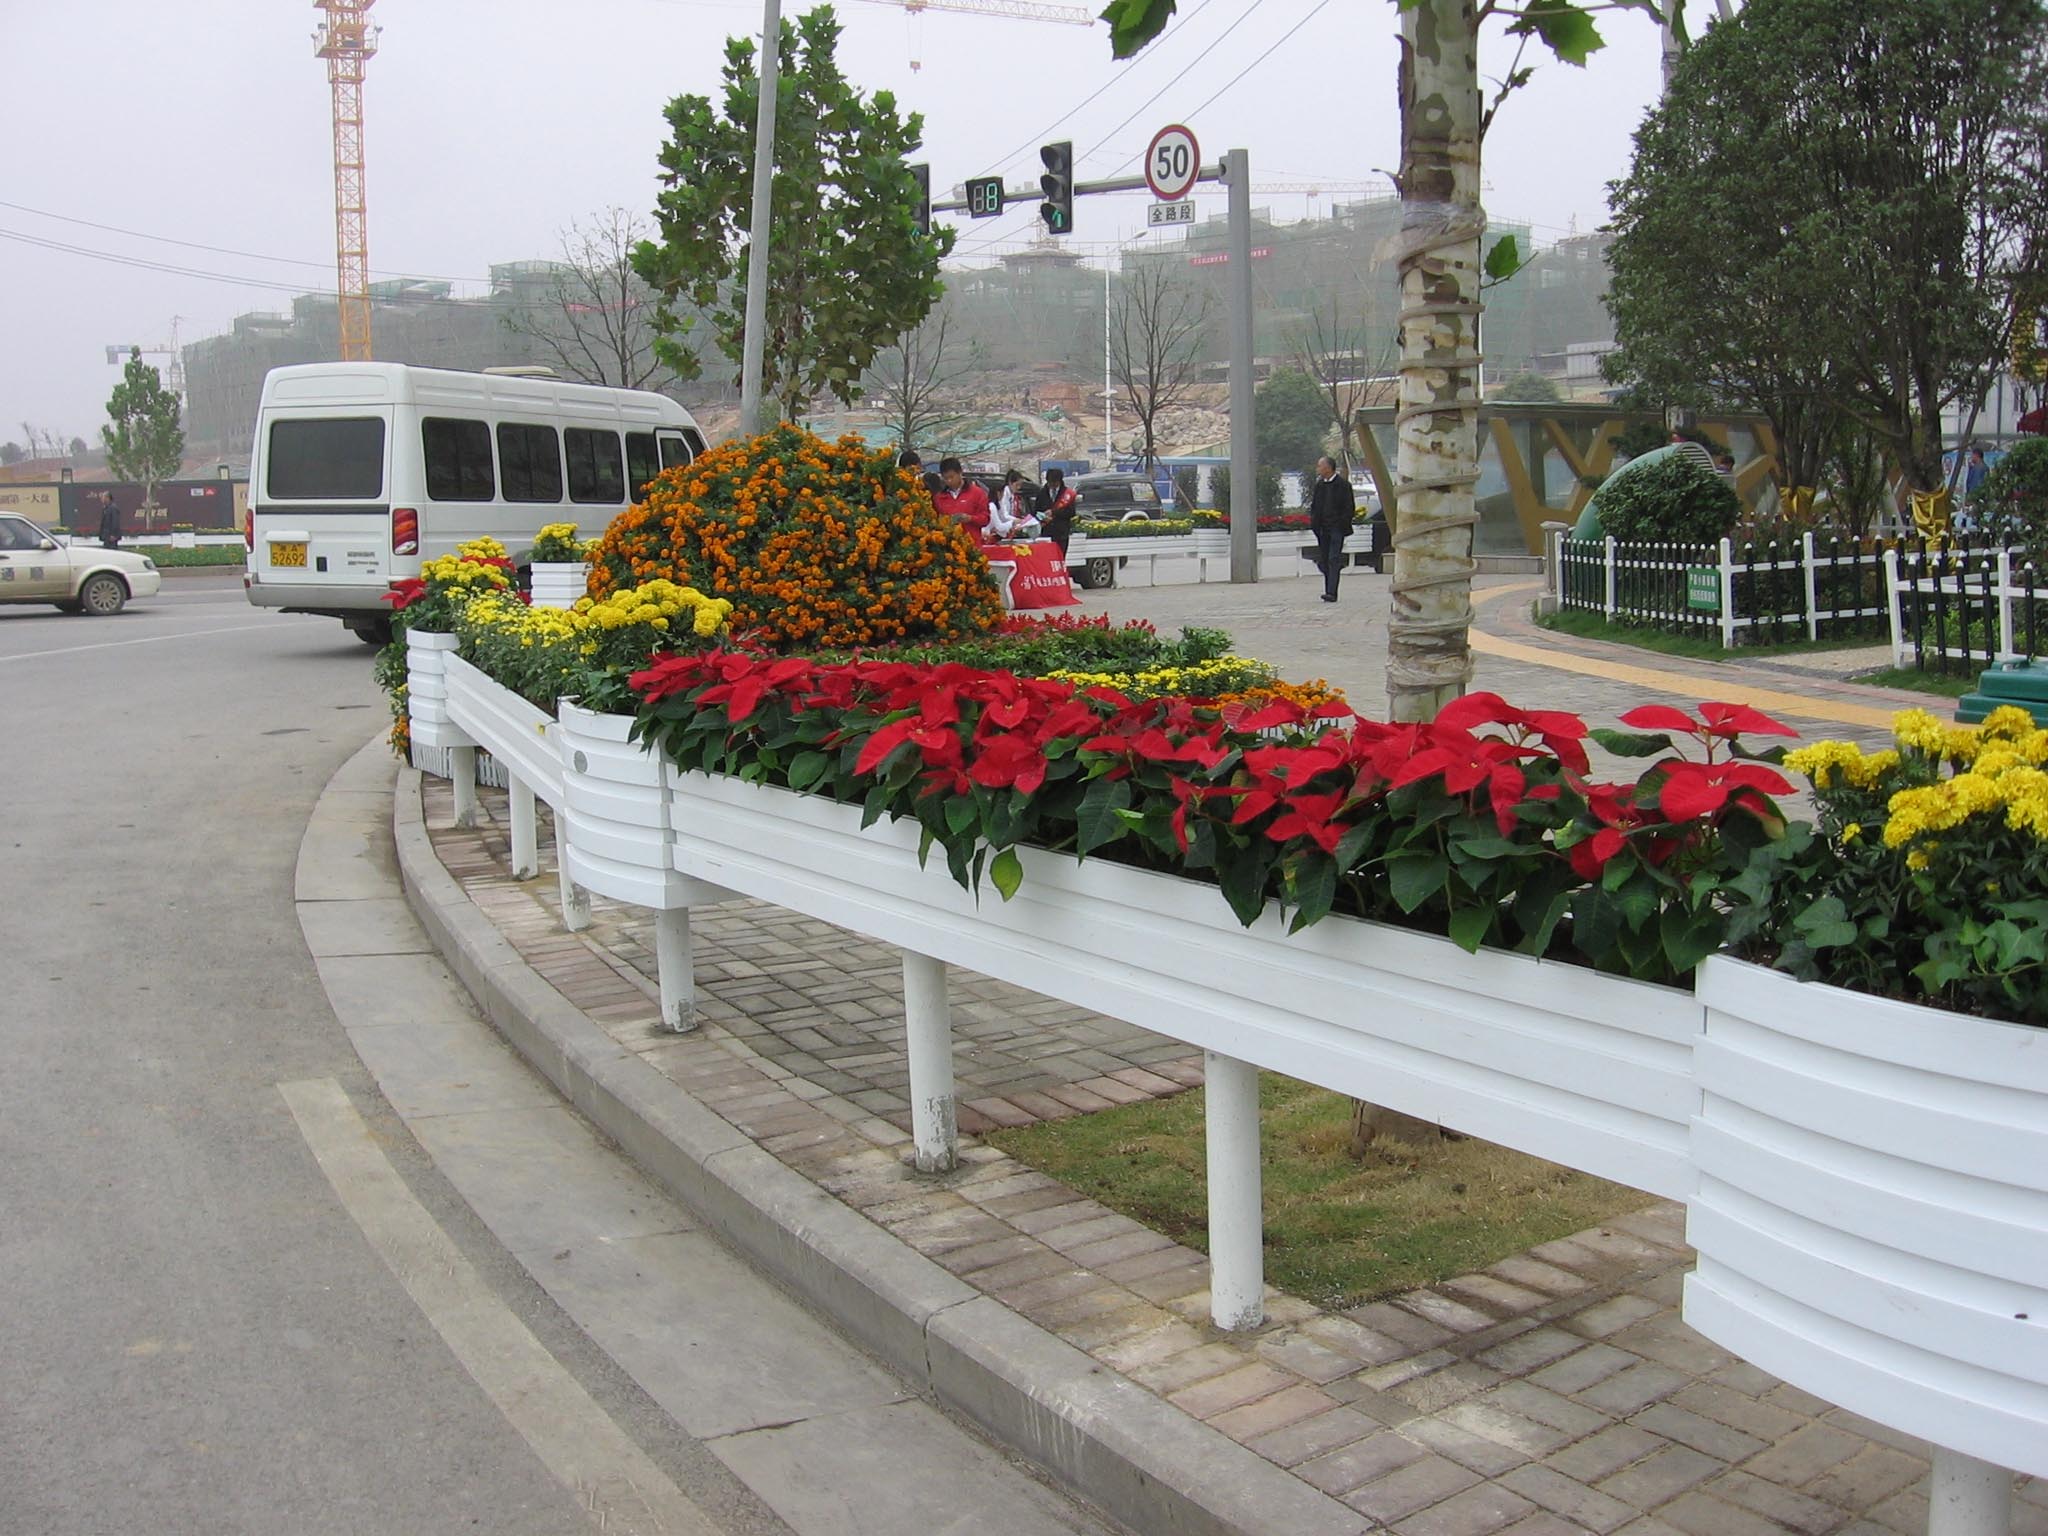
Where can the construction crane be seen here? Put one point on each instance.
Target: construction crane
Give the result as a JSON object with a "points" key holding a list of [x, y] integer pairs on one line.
{"points": [[347, 42], [174, 371], [1015, 10]]}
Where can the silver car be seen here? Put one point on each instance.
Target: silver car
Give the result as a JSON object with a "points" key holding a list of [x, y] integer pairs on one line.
{"points": [[78, 578]]}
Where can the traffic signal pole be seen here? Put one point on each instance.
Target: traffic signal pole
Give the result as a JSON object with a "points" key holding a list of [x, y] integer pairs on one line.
{"points": [[1235, 172]]}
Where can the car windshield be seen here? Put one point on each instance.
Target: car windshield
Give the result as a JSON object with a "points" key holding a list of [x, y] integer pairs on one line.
{"points": [[20, 533]]}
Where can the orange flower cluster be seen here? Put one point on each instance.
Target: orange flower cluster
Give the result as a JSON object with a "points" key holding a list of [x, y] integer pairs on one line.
{"points": [[816, 544], [1308, 695]]}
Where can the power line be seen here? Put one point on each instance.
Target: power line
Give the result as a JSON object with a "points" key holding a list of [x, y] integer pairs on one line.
{"points": [[222, 250]]}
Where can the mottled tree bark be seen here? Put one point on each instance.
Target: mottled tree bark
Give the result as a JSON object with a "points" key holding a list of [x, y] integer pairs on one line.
{"points": [[1429, 658]]}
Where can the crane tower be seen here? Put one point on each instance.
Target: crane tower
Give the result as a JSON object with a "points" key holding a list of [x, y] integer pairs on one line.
{"points": [[347, 41]]}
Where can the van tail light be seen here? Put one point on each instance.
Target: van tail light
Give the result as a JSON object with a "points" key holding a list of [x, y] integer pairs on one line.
{"points": [[249, 533], [405, 531]]}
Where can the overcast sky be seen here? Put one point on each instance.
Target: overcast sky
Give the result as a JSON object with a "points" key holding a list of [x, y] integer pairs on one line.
{"points": [[494, 123]]}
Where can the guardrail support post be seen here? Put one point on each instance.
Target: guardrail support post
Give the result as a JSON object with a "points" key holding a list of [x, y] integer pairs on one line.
{"points": [[575, 900], [1969, 1497], [1237, 1257], [674, 968], [928, 1019], [525, 840], [462, 776]]}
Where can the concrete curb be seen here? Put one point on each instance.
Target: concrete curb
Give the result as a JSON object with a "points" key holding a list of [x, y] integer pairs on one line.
{"points": [[1110, 1440]]}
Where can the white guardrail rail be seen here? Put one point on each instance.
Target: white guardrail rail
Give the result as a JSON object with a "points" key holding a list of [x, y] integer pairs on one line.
{"points": [[1907, 1281]]}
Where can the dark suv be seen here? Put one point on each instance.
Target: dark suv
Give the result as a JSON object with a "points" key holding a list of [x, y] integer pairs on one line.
{"points": [[1115, 498]]}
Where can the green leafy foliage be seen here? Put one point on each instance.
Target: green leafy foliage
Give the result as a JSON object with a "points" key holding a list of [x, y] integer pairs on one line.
{"points": [[1675, 500], [144, 441], [1821, 173], [849, 272], [1292, 419], [2012, 503]]}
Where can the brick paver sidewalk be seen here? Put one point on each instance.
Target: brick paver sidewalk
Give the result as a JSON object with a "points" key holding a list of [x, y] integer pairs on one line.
{"points": [[1555, 1392]]}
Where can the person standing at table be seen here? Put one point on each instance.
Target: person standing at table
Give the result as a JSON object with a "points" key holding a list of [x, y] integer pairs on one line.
{"points": [[962, 499], [1056, 503], [1332, 513]]}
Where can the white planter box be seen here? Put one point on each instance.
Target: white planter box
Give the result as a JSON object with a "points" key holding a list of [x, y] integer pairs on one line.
{"points": [[558, 584], [615, 803], [426, 691], [1591, 1072], [184, 540], [520, 736], [1872, 1209], [1143, 562]]}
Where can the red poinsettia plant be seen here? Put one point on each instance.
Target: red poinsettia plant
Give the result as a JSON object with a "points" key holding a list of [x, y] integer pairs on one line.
{"points": [[1485, 824]]}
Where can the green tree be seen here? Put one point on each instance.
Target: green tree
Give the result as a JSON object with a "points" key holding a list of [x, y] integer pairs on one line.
{"points": [[1828, 215], [1676, 500], [11, 453], [849, 272], [1293, 420], [1531, 388], [144, 441]]}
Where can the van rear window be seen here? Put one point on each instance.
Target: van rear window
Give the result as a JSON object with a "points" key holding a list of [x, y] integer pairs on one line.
{"points": [[336, 458]]}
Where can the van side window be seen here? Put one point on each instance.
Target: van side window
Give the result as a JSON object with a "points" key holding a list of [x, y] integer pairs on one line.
{"points": [[458, 459], [595, 471], [642, 462], [530, 461], [696, 441], [676, 448], [330, 458]]}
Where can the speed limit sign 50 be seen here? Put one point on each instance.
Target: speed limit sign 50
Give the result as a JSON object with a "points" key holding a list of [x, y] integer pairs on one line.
{"points": [[1172, 163]]}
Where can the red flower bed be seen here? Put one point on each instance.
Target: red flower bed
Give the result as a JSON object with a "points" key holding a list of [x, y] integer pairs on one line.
{"points": [[1483, 824]]}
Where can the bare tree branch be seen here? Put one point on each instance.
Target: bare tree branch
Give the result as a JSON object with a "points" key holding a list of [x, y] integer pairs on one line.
{"points": [[911, 379], [1347, 356], [594, 320], [1156, 331]]}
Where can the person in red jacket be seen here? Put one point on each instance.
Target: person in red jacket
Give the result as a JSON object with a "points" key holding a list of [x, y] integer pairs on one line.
{"points": [[961, 498]]}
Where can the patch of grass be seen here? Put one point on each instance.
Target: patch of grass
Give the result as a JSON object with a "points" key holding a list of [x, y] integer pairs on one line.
{"points": [[1940, 684], [1590, 626], [1337, 1232]]}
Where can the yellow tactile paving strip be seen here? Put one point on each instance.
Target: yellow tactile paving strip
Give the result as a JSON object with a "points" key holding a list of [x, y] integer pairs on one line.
{"points": [[1737, 690]]}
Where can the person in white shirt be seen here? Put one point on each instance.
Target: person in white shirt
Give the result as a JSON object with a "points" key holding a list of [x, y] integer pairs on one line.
{"points": [[1012, 517]]}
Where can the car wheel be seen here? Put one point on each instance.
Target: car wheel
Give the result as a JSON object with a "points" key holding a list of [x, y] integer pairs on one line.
{"points": [[375, 632], [70, 607], [1099, 572], [102, 596]]}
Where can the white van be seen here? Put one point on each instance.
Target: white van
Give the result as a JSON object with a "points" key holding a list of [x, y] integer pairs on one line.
{"points": [[362, 470]]}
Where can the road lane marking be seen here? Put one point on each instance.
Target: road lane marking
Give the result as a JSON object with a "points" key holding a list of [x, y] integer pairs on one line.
{"points": [[622, 1491], [107, 645]]}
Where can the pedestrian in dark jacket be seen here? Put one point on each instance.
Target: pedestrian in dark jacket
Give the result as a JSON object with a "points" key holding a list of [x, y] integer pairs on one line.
{"points": [[1056, 503], [1331, 513], [110, 522]]}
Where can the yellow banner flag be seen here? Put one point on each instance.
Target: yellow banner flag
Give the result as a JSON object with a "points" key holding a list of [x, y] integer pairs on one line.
{"points": [[1930, 512]]}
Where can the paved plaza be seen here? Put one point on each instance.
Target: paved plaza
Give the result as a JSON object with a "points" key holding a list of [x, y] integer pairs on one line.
{"points": [[1556, 1391]]}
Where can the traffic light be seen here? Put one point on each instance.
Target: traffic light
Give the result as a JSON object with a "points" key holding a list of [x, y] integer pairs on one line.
{"points": [[922, 175], [1058, 186]]}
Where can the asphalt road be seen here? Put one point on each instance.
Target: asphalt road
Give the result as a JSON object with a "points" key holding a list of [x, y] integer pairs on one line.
{"points": [[195, 1335]]}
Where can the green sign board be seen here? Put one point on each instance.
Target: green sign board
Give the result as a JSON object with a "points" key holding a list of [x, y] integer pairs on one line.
{"points": [[1703, 588]]}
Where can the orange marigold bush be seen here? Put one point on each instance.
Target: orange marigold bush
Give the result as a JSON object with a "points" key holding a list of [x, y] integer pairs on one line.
{"points": [[815, 544]]}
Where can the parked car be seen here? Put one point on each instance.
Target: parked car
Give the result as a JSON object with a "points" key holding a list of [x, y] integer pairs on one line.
{"points": [[1116, 498], [77, 578]]}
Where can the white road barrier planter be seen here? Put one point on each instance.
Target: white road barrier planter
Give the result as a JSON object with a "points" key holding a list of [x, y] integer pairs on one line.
{"points": [[615, 801], [1591, 1072], [559, 583], [519, 735], [426, 690], [1872, 1209]]}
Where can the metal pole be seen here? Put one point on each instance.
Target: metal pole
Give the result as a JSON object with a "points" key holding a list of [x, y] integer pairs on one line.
{"points": [[1237, 1256], [754, 348], [928, 1036], [1108, 389], [1244, 529], [1969, 1497], [674, 968], [525, 839]]}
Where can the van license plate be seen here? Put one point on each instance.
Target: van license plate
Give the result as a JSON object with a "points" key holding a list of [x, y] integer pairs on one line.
{"points": [[288, 554]]}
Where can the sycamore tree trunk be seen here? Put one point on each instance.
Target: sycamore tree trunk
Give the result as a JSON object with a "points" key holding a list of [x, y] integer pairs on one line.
{"points": [[1436, 466], [1429, 656]]}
